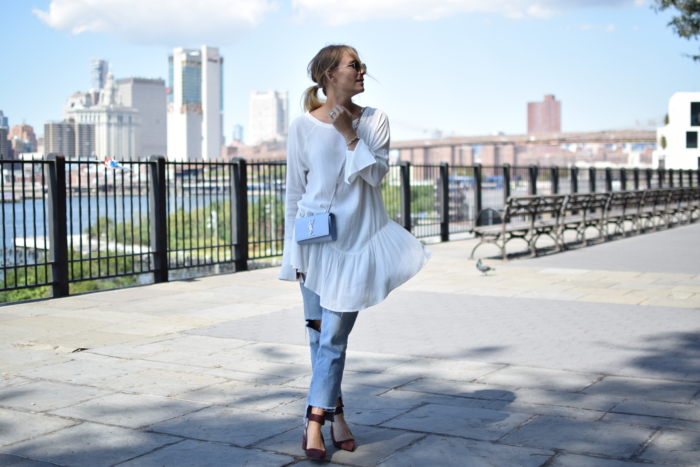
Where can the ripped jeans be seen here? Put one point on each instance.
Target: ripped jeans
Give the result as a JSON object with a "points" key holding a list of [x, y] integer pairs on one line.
{"points": [[327, 351]]}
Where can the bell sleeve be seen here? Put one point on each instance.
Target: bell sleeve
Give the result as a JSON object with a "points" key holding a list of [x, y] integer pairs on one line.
{"points": [[295, 188], [370, 158]]}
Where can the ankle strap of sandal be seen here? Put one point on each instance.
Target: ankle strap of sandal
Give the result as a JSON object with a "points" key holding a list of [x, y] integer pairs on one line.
{"points": [[312, 417]]}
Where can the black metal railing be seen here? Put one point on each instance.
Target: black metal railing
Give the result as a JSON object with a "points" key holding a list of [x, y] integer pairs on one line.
{"points": [[74, 226]]}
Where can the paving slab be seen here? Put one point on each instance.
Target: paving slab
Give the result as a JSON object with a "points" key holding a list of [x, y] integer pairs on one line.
{"points": [[611, 439], [456, 370], [454, 452], [659, 409], [15, 461], [541, 378], [289, 370], [90, 445], [229, 425], [482, 424], [17, 426], [82, 372], [373, 444], [565, 399], [244, 395], [653, 422], [159, 382], [190, 453], [42, 396], [129, 410], [645, 389], [675, 447], [418, 398], [574, 460], [460, 389], [198, 344]]}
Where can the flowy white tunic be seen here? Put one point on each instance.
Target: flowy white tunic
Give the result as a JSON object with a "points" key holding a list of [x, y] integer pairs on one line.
{"points": [[373, 254]]}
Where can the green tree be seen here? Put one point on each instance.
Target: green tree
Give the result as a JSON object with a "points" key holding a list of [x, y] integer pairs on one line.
{"points": [[687, 21]]}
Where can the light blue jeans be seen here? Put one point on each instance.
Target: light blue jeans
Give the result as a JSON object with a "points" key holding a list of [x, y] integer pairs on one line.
{"points": [[327, 352]]}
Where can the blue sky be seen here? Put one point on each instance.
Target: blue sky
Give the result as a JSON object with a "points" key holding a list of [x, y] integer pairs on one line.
{"points": [[464, 67]]}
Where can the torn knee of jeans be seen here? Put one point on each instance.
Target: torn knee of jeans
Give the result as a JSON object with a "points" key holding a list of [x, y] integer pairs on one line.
{"points": [[314, 324]]}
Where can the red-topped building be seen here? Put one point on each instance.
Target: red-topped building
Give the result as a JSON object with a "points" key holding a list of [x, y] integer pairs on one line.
{"points": [[544, 117]]}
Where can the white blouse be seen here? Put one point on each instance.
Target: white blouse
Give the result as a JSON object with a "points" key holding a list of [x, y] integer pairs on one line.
{"points": [[373, 254]]}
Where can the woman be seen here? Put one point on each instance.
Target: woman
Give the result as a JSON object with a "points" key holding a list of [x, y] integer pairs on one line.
{"points": [[339, 151]]}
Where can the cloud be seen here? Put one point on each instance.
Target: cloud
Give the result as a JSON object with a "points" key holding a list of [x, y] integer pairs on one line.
{"points": [[162, 22], [337, 12]]}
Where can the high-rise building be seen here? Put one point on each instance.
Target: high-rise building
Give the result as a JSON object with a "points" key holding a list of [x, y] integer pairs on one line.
{"points": [[544, 117], [5, 146], [72, 139], [98, 74], [149, 98], [195, 104], [25, 133], [237, 133], [268, 116], [117, 128]]}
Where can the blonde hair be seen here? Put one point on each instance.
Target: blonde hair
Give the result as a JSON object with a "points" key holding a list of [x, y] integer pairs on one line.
{"points": [[326, 59]]}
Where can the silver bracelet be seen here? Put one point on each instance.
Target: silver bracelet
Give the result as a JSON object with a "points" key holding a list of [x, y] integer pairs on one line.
{"points": [[356, 138]]}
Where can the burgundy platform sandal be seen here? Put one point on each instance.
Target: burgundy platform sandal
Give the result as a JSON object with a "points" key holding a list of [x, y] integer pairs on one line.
{"points": [[314, 453], [345, 445]]}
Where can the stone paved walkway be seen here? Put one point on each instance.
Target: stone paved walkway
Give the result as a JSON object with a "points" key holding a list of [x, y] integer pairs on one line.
{"points": [[585, 358]]}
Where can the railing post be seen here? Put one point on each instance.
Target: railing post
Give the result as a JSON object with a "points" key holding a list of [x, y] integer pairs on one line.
{"points": [[239, 213], [159, 219], [405, 171], [477, 193], [444, 187], [58, 227], [608, 179], [574, 179], [532, 172], [661, 177], [506, 183], [623, 179], [555, 179], [592, 174], [649, 177], [670, 178], [636, 178]]}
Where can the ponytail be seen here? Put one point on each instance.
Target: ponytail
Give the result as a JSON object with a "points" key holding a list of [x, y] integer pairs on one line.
{"points": [[310, 98]]}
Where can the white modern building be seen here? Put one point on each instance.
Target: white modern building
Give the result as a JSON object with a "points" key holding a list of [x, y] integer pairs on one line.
{"points": [[677, 142], [195, 104], [149, 98], [269, 117], [117, 127]]}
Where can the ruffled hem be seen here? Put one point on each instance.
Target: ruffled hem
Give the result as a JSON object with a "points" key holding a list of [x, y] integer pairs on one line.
{"points": [[355, 281]]}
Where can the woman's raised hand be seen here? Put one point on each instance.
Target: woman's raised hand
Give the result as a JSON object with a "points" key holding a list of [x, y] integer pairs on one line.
{"points": [[342, 121]]}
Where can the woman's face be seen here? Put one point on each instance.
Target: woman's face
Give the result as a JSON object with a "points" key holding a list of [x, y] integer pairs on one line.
{"points": [[347, 77]]}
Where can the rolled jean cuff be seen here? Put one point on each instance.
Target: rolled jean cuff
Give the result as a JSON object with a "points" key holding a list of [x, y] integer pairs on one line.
{"points": [[328, 413]]}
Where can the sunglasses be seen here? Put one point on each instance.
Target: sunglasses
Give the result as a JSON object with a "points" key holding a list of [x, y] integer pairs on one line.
{"points": [[357, 66]]}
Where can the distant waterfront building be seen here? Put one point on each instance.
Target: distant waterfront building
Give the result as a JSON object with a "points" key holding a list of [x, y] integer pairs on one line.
{"points": [[544, 117], [24, 139], [268, 116], [117, 127], [5, 147], [677, 141], [72, 139], [237, 133], [149, 98], [195, 104], [98, 74]]}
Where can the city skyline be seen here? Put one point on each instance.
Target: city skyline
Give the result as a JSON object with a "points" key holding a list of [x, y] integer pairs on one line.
{"points": [[600, 61]]}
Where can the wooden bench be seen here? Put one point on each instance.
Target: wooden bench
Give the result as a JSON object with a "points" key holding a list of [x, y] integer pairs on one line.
{"points": [[624, 207], [527, 218], [582, 211]]}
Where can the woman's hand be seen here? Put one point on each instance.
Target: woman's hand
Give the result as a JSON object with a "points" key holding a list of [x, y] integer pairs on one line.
{"points": [[342, 121]]}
